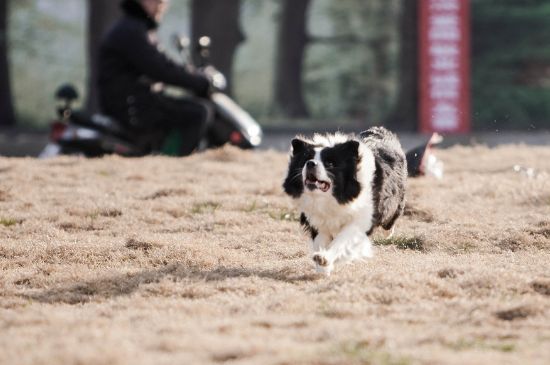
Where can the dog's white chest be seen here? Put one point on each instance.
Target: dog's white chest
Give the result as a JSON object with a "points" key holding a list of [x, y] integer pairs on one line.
{"points": [[325, 214]]}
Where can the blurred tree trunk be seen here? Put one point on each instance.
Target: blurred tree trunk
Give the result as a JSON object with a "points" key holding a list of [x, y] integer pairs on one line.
{"points": [[381, 29], [291, 43], [219, 20], [101, 15], [404, 116], [6, 105]]}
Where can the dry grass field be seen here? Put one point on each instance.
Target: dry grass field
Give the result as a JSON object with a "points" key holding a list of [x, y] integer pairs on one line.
{"points": [[202, 261]]}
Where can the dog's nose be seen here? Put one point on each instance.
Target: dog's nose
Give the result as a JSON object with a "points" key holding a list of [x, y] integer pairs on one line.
{"points": [[311, 164]]}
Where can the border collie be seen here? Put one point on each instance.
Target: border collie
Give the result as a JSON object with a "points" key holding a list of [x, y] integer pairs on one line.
{"points": [[345, 186]]}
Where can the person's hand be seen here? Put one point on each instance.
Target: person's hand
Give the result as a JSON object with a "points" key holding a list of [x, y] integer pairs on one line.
{"points": [[216, 78], [204, 85]]}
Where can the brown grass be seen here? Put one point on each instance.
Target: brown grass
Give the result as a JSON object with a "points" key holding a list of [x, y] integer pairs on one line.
{"points": [[201, 261]]}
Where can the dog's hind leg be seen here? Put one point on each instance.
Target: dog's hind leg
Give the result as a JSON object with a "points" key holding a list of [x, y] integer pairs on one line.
{"points": [[389, 226], [388, 233]]}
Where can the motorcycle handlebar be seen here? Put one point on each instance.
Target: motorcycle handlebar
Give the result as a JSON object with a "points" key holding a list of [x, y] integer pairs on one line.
{"points": [[217, 80]]}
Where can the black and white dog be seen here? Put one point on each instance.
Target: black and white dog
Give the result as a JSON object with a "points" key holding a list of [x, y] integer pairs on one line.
{"points": [[345, 186]]}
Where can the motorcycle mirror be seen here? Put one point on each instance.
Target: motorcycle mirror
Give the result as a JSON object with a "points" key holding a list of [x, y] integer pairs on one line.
{"points": [[203, 48], [67, 92], [205, 42], [181, 42]]}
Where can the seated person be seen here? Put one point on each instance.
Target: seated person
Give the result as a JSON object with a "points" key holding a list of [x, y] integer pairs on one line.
{"points": [[132, 71]]}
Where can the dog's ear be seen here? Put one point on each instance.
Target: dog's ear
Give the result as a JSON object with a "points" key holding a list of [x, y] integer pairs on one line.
{"points": [[350, 148], [346, 187], [299, 146]]}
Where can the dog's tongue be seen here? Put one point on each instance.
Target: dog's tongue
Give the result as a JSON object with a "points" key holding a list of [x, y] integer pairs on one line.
{"points": [[323, 186], [312, 183]]}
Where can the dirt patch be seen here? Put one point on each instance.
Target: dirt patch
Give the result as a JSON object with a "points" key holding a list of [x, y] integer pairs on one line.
{"points": [[134, 244], [229, 356], [422, 215], [23, 282], [111, 213], [415, 243], [514, 243], [449, 273], [76, 226], [542, 230], [541, 286], [512, 314], [166, 193], [4, 196]]}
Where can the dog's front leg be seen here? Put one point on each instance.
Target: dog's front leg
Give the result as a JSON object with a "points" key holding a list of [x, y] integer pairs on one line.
{"points": [[350, 244], [319, 244]]}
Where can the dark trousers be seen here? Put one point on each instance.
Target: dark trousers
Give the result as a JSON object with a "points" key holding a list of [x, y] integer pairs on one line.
{"points": [[149, 113], [190, 117]]}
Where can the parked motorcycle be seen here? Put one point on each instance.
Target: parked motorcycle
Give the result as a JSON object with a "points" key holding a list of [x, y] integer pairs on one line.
{"points": [[75, 132]]}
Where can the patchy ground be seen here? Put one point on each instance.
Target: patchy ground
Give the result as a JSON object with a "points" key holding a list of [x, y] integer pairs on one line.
{"points": [[201, 261]]}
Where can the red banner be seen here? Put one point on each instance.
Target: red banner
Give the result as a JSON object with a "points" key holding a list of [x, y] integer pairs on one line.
{"points": [[444, 41]]}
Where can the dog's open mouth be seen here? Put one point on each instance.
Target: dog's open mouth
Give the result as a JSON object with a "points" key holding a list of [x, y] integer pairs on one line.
{"points": [[312, 183]]}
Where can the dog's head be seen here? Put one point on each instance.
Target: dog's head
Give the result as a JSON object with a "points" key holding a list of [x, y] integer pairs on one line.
{"points": [[324, 165]]}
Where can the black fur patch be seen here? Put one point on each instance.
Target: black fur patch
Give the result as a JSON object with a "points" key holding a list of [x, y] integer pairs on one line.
{"points": [[341, 163], [308, 227], [388, 157], [377, 183], [301, 152]]}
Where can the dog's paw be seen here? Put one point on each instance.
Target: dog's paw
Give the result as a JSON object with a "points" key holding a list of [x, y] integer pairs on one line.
{"points": [[322, 264], [324, 270], [320, 260]]}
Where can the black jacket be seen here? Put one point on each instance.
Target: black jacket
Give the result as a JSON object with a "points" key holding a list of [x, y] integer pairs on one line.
{"points": [[130, 62]]}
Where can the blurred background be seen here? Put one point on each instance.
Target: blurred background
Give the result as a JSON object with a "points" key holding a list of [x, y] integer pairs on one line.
{"points": [[312, 63]]}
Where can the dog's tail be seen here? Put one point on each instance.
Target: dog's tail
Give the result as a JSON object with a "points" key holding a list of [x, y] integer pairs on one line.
{"points": [[416, 158], [376, 133]]}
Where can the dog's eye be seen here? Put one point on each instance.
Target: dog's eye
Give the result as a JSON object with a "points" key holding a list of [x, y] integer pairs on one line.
{"points": [[329, 164]]}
